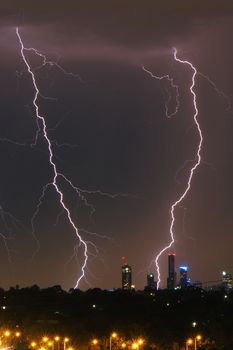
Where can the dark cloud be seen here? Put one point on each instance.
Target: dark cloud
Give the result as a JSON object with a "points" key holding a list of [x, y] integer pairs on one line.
{"points": [[128, 23]]}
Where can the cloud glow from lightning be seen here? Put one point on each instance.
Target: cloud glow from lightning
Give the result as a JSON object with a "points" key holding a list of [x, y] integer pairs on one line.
{"points": [[197, 155], [40, 118]]}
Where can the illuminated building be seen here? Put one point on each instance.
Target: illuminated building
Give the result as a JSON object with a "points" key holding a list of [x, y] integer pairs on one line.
{"points": [[171, 280], [184, 282], [227, 280], [126, 277], [151, 284]]}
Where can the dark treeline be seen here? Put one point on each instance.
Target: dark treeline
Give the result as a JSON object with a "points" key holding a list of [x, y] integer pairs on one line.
{"points": [[163, 317]]}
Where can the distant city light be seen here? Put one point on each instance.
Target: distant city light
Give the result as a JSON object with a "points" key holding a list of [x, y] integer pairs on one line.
{"points": [[184, 268]]}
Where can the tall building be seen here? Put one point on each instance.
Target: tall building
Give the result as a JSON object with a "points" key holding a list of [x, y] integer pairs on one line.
{"points": [[184, 282], [171, 280], [151, 284], [227, 280], [126, 277]]}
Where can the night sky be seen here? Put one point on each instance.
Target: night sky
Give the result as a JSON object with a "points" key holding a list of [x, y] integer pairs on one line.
{"points": [[110, 133]]}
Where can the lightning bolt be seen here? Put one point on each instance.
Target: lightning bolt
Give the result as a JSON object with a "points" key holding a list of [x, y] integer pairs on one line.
{"points": [[174, 86], [34, 217], [197, 155], [8, 220], [219, 92], [44, 131], [51, 64], [54, 182]]}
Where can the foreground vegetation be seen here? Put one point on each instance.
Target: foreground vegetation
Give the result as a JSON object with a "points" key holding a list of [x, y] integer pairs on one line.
{"points": [[165, 319]]}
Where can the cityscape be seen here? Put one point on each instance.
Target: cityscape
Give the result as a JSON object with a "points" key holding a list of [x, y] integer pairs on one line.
{"points": [[186, 317], [183, 280]]}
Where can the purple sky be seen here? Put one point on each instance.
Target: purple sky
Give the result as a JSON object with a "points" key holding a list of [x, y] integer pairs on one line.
{"points": [[115, 117]]}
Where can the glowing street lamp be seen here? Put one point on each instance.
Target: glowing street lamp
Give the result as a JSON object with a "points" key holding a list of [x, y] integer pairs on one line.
{"points": [[140, 341], [197, 338], [33, 344], [112, 336], [66, 340], [50, 344], [95, 341], [189, 342], [57, 339]]}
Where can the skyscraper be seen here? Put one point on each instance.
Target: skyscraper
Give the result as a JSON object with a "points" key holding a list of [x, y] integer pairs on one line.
{"points": [[126, 277], [151, 284], [183, 276], [227, 280], [171, 280]]}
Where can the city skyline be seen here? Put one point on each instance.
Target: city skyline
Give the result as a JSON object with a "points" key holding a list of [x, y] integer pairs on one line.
{"points": [[122, 155], [178, 277]]}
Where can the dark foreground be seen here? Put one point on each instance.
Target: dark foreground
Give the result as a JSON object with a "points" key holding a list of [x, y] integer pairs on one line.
{"points": [[164, 319]]}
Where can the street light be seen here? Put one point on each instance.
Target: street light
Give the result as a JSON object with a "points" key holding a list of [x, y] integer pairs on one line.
{"points": [[66, 340], [188, 342], [95, 341], [112, 336], [140, 341], [7, 333], [197, 338], [50, 344], [57, 338]]}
